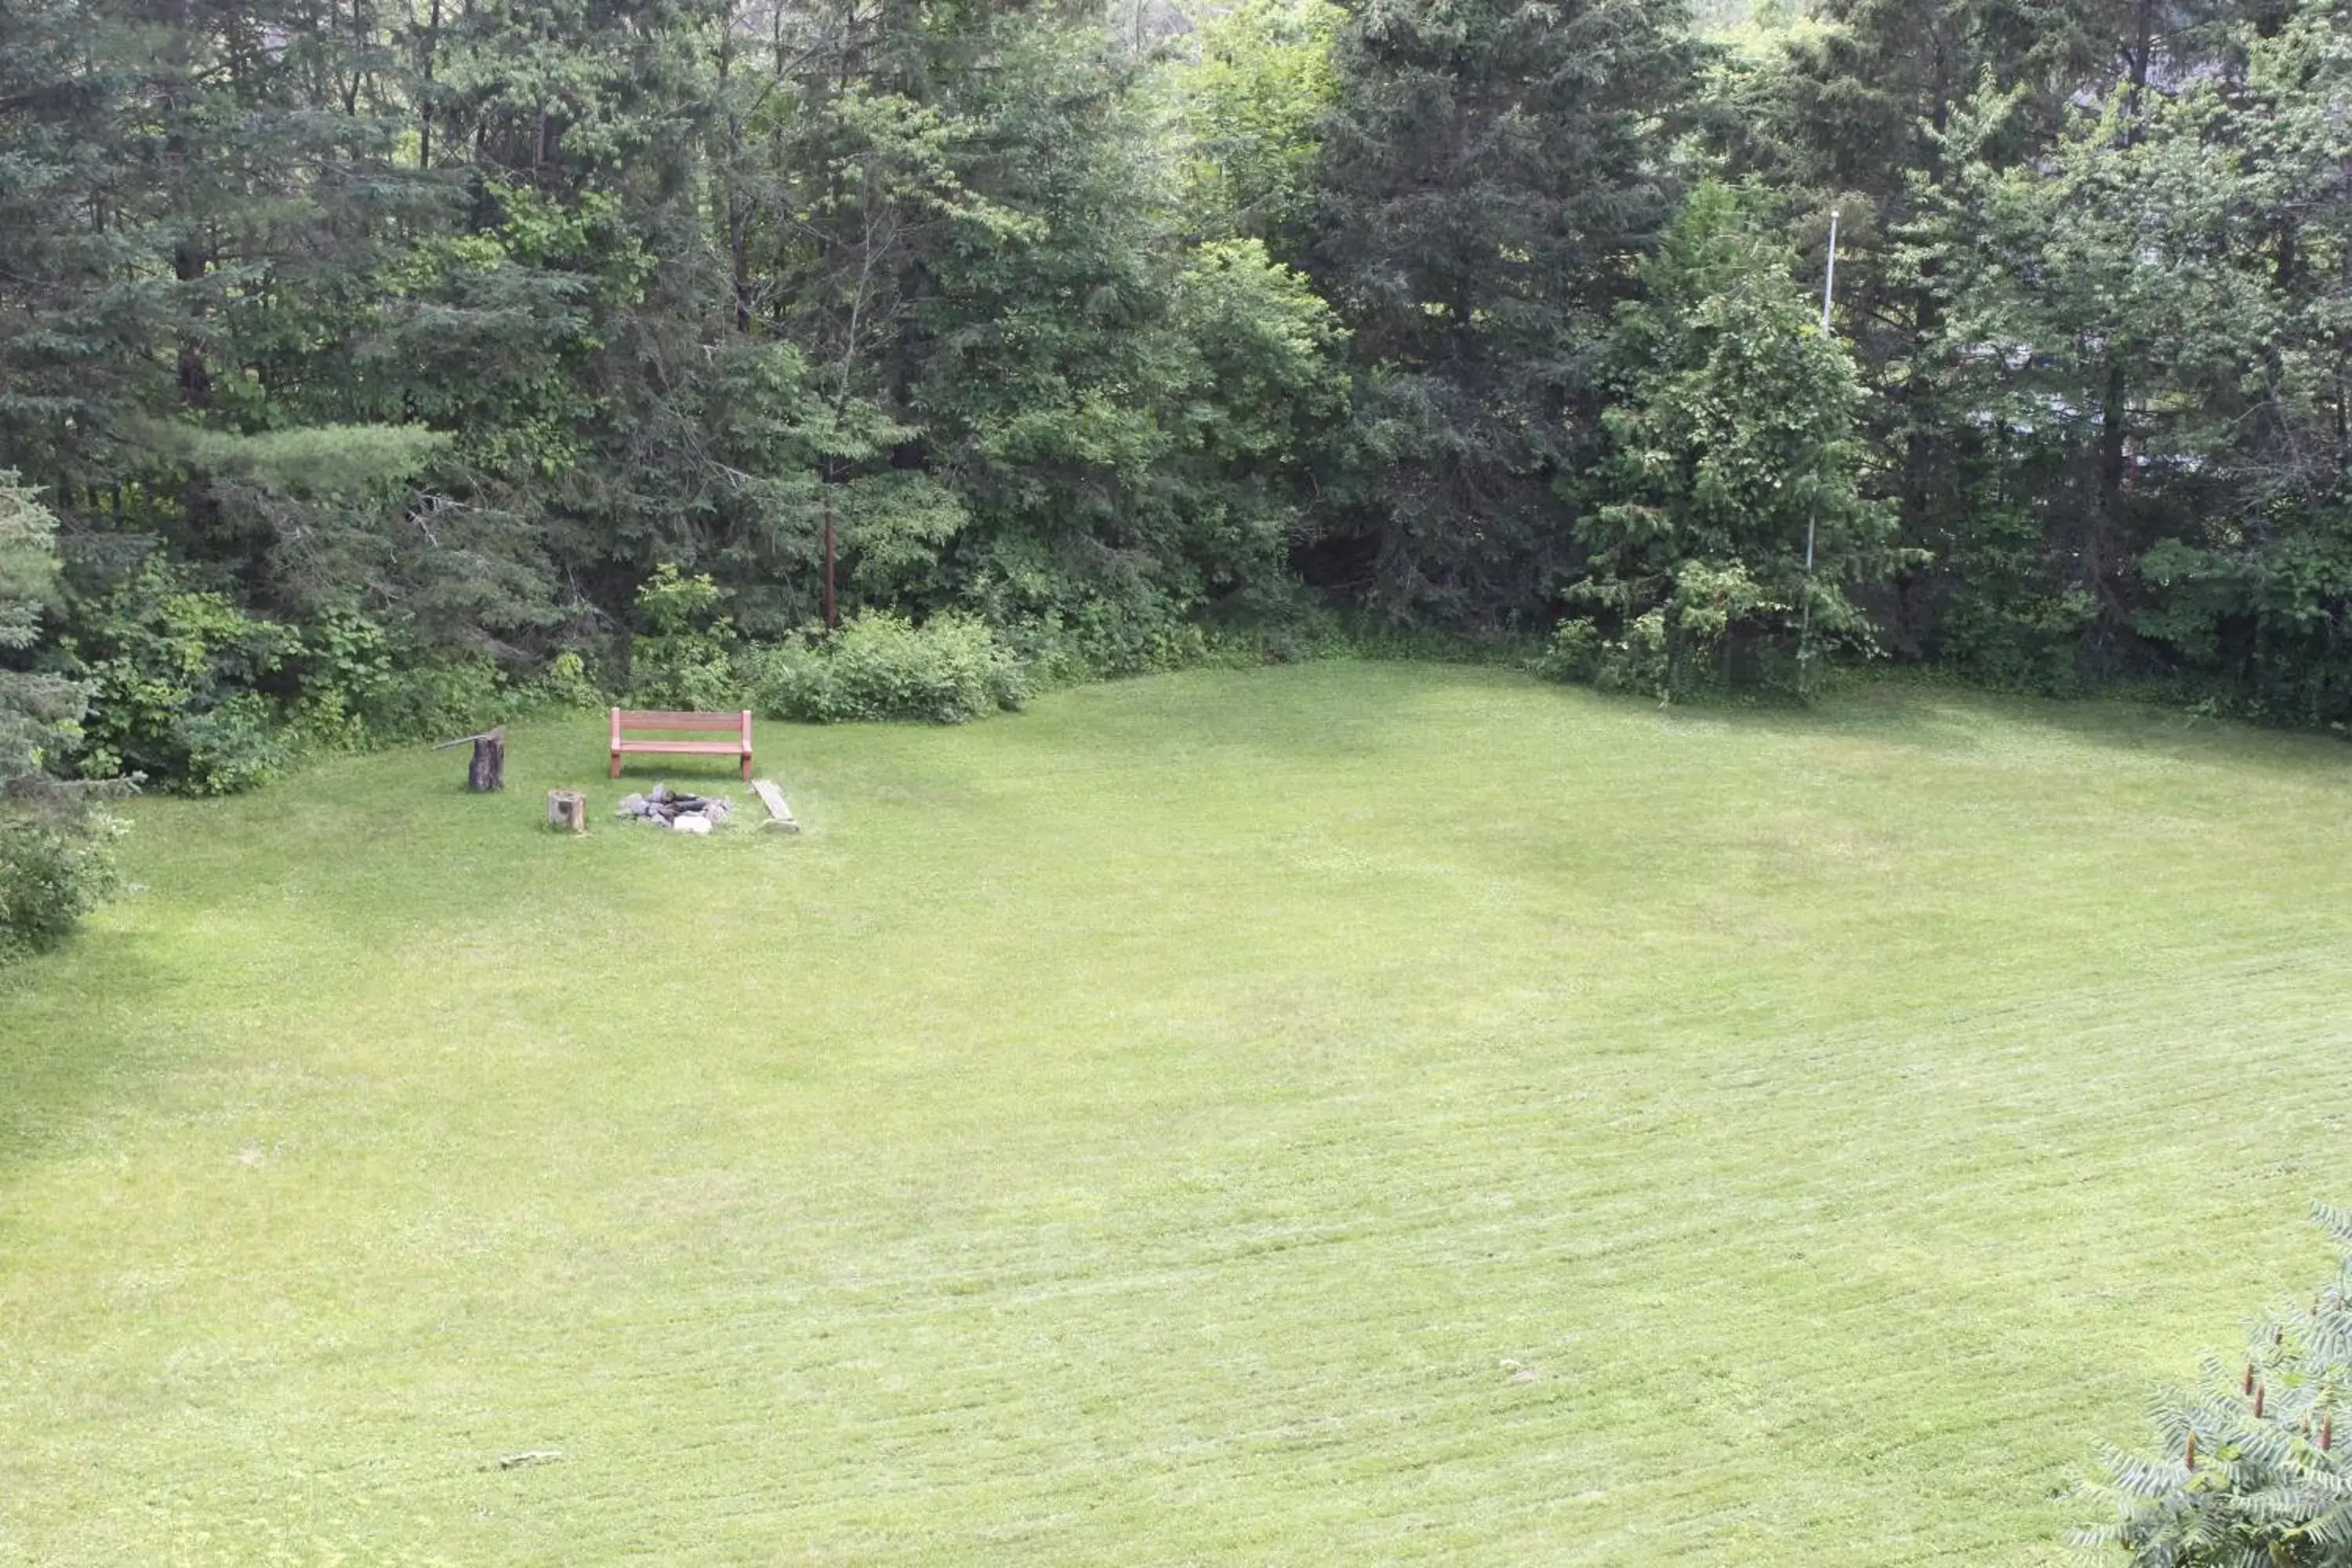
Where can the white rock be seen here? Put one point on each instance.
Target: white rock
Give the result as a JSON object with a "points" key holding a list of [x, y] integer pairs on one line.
{"points": [[692, 824]]}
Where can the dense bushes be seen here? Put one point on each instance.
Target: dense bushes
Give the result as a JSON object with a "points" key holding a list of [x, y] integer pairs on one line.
{"points": [[350, 683], [192, 694], [687, 656], [684, 657], [176, 678], [53, 864], [1096, 637], [196, 696], [51, 874], [949, 669]]}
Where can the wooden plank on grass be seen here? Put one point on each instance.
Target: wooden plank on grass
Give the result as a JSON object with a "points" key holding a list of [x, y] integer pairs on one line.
{"points": [[779, 814]]}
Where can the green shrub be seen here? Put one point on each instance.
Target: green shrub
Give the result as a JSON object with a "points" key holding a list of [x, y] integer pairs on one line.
{"points": [[2245, 1469], [201, 697], [1573, 654], [564, 683], [949, 669], [353, 685], [1105, 638], [1706, 640], [234, 745], [52, 872], [1641, 660], [55, 860], [436, 698], [175, 676], [342, 663], [684, 657]]}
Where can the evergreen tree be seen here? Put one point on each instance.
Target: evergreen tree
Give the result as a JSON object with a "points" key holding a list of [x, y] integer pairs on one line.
{"points": [[1489, 173], [1854, 108], [53, 864], [1731, 457], [2249, 586], [2148, 325], [81, 307], [1111, 410]]}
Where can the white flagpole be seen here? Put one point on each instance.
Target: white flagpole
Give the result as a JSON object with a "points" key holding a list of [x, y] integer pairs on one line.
{"points": [[1812, 517], [1829, 277], [1829, 285]]}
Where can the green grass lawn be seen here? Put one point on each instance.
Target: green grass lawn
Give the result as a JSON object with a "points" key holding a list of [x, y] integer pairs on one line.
{"points": [[1332, 1114]]}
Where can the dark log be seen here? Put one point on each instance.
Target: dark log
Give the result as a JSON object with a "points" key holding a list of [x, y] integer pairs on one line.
{"points": [[488, 771]]}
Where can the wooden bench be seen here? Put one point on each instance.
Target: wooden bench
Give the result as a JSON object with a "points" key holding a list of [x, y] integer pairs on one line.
{"points": [[626, 719]]}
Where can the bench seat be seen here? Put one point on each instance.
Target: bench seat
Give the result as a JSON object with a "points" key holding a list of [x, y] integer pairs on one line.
{"points": [[626, 720]]}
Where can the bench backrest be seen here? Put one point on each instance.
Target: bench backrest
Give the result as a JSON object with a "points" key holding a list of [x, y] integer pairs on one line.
{"points": [[652, 719]]}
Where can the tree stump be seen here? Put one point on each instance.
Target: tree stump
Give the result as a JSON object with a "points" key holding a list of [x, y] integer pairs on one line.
{"points": [[488, 771], [567, 809]]}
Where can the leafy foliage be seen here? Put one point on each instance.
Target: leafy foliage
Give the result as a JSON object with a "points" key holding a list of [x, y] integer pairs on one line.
{"points": [[415, 343], [54, 865], [1727, 521], [196, 696], [2249, 1472], [1253, 107], [684, 658], [176, 673], [949, 670]]}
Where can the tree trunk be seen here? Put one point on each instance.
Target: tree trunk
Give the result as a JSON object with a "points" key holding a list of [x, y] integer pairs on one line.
{"points": [[488, 771], [424, 95]]}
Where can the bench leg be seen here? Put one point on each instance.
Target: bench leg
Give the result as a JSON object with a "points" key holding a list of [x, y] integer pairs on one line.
{"points": [[616, 765], [747, 767]]}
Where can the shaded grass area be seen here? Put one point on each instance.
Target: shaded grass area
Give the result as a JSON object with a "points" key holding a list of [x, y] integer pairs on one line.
{"points": [[1347, 1113]]}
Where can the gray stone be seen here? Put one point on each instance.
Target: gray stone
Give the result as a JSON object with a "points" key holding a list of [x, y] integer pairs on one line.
{"points": [[633, 806], [692, 824]]}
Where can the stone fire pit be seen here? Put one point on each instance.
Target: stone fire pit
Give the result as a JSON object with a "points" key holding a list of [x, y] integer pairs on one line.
{"points": [[666, 807]]}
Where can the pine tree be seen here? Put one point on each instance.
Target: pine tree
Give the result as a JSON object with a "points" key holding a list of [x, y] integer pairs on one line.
{"points": [[2145, 326], [78, 313], [1488, 176], [54, 863], [1855, 108], [1731, 460]]}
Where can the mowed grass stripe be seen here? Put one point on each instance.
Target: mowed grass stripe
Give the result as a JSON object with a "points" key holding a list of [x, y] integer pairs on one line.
{"points": [[1372, 1112]]}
